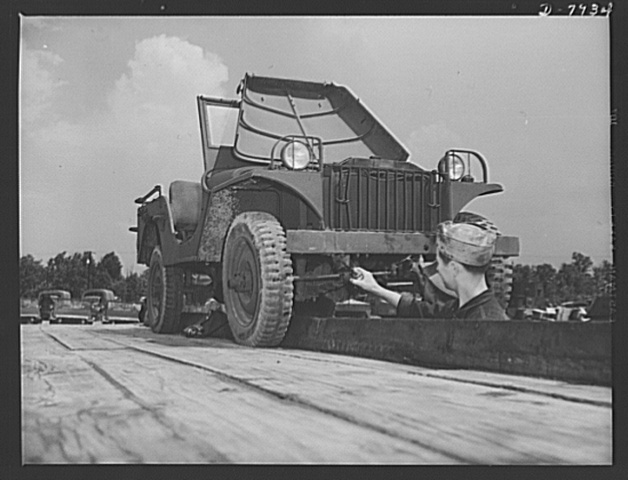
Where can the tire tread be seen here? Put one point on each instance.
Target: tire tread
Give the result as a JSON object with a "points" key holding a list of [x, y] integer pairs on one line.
{"points": [[277, 289]]}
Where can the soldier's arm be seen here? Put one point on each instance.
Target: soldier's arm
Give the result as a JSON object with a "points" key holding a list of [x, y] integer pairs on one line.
{"points": [[365, 280]]}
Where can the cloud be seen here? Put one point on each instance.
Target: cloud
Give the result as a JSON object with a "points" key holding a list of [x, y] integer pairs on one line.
{"points": [[151, 104], [164, 71], [147, 134], [39, 84]]}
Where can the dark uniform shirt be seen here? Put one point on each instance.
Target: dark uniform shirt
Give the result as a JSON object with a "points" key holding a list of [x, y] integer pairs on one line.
{"points": [[481, 307]]}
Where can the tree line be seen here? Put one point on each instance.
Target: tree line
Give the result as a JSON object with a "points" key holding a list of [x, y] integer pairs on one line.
{"points": [[534, 286], [541, 286], [79, 272]]}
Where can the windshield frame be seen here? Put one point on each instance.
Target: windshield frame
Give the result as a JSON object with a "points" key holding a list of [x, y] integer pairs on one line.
{"points": [[361, 125]]}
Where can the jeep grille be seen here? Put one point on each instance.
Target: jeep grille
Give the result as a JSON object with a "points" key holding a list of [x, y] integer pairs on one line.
{"points": [[358, 197]]}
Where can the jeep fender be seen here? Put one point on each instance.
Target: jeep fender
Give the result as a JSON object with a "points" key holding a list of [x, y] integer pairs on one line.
{"points": [[462, 193], [156, 228], [306, 186], [226, 202]]}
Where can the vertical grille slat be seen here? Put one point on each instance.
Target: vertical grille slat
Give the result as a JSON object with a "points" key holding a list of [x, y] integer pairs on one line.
{"points": [[367, 204], [386, 202], [405, 201], [396, 200], [421, 198], [377, 202], [358, 178], [414, 221]]}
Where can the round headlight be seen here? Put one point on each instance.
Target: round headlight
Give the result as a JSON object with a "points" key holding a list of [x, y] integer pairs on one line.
{"points": [[453, 166], [296, 155]]}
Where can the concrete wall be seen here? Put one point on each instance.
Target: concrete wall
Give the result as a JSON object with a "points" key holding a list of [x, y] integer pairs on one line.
{"points": [[575, 352]]}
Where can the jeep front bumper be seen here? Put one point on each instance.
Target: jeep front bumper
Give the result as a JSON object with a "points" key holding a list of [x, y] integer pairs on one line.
{"points": [[391, 243]]}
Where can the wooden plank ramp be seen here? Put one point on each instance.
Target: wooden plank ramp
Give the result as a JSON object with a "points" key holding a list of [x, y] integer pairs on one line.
{"points": [[122, 394]]}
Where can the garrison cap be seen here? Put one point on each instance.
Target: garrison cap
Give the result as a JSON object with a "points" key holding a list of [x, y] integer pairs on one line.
{"points": [[466, 243]]}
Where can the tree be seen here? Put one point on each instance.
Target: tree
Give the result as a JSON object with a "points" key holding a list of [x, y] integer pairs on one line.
{"points": [[107, 273], [582, 263], [540, 286], [67, 273], [575, 279], [545, 275], [533, 285], [604, 278], [101, 279], [522, 285], [32, 276], [72, 273], [135, 287], [119, 288], [111, 264]]}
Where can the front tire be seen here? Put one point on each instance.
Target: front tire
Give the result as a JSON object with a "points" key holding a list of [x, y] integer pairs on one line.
{"points": [[164, 300], [257, 280]]}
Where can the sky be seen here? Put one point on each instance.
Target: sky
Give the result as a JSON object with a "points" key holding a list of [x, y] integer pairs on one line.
{"points": [[108, 110]]}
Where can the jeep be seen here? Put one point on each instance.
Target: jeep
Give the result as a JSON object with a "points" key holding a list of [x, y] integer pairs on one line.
{"points": [[301, 183]]}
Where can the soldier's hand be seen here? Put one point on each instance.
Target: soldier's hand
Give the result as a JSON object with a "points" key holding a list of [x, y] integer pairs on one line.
{"points": [[364, 279], [422, 263]]}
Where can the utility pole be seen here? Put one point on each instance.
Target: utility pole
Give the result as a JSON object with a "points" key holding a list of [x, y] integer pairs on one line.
{"points": [[88, 264]]}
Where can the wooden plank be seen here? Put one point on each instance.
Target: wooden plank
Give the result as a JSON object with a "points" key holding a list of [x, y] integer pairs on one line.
{"points": [[473, 422], [72, 414], [120, 405], [78, 338], [579, 393]]}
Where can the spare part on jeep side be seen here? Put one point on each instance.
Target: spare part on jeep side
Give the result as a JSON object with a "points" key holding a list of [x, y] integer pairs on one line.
{"points": [[301, 183]]}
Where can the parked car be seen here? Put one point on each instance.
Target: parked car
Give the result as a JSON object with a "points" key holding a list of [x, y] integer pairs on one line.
{"points": [[29, 311], [95, 306], [548, 314], [572, 312], [99, 299], [122, 312], [48, 300], [57, 306]]}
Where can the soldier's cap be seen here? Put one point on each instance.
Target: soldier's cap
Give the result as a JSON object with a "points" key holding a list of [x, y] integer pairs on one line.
{"points": [[466, 243]]}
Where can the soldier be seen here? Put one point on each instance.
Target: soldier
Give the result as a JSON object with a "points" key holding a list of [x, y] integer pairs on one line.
{"points": [[464, 251], [203, 328]]}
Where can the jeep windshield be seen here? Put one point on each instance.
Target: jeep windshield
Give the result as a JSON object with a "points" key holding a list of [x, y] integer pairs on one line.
{"points": [[327, 118]]}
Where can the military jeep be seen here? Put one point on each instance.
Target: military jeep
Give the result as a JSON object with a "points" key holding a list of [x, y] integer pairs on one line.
{"points": [[301, 183]]}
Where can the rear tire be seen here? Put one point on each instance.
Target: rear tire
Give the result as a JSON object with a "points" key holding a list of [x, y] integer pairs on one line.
{"points": [[257, 282], [499, 277], [164, 299]]}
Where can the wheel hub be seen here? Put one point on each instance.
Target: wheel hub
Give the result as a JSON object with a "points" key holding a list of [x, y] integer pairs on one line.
{"points": [[241, 282], [244, 282]]}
